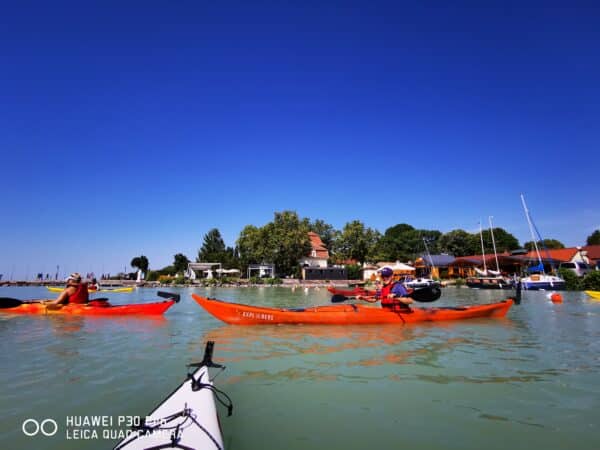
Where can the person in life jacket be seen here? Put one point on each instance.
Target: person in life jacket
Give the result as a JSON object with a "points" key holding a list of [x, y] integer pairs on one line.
{"points": [[74, 292], [392, 294], [93, 286]]}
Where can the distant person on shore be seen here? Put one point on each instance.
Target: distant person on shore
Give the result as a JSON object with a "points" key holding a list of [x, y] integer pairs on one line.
{"points": [[74, 292], [392, 294]]}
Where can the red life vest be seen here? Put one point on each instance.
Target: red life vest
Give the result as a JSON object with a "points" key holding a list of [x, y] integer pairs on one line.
{"points": [[81, 294], [391, 302]]}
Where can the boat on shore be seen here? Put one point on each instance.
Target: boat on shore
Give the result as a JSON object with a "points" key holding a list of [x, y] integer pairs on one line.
{"points": [[348, 314], [539, 280], [487, 278]]}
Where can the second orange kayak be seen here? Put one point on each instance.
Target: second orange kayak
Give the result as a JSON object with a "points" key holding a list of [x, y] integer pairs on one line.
{"points": [[238, 314]]}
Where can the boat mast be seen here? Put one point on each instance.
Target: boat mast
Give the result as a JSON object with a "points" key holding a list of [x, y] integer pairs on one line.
{"points": [[494, 245], [429, 255], [482, 250], [531, 231]]}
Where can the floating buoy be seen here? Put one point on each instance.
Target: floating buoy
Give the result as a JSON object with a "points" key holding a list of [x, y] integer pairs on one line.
{"points": [[556, 297]]}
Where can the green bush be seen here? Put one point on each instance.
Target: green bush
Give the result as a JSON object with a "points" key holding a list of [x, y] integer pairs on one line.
{"points": [[572, 281], [179, 280], [273, 281], [353, 271], [256, 280], [152, 275], [460, 282], [591, 281]]}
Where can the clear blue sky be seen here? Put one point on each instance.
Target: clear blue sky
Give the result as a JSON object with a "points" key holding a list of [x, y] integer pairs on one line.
{"points": [[133, 128]]}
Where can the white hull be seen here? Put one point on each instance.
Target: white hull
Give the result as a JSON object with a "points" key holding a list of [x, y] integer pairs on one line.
{"points": [[199, 429]]}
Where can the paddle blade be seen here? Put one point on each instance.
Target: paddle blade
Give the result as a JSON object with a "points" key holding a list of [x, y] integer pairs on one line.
{"points": [[337, 298], [426, 294], [164, 294], [7, 302]]}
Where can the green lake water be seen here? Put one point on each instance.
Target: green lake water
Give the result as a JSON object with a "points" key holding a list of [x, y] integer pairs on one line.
{"points": [[531, 380]]}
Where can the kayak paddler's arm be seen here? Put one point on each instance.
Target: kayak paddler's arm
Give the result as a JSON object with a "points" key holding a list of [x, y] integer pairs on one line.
{"points": [[63, 297], [367, 298]]}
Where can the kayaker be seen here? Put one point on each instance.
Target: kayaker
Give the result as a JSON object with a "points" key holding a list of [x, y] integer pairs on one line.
{"points": [[392, 294], [74, 292], [93, 286]]}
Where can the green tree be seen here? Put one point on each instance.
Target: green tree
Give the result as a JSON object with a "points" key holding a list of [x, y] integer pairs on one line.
{"points": [[458, 243], [404, 242], [140, 262], [592, 281], [594, 238], [281, 242], [286, 241], [180, 263], [356, 242], [548, 243], [251, 246], [505, 242], [213, 248]]}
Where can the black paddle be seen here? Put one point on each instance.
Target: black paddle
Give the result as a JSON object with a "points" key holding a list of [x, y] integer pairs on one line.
{"points": [[422, 295], [169, 295]]}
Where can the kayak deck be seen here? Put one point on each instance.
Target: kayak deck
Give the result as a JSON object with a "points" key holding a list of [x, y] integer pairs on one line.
{"points": [[238, 314], [156, 308], [114, 291], [187, 418], [593, 294]]}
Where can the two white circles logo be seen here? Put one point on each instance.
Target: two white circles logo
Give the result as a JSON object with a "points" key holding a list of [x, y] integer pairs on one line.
{"points": [[32, 427]]}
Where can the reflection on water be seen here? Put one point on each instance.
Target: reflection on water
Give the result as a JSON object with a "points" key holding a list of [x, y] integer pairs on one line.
{"points": [[531, 377]]}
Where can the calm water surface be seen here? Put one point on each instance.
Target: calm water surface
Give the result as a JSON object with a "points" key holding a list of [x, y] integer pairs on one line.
{"points": [[531, 380]]}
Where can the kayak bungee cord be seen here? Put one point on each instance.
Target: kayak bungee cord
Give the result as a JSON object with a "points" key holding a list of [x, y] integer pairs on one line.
{"points": [[176, 436], [187, 419]]}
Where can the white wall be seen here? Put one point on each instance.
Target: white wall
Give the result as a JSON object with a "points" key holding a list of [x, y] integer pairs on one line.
{"points": [[313, 262]]}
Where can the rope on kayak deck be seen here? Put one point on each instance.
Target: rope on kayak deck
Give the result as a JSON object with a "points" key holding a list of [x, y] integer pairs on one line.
{"points": [[176, 435], [219, 394]]}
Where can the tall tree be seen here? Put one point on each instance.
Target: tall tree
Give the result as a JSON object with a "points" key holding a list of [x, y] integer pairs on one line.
{"points": [[251, 246], [550, 244], [458, 243], [594, 238], [356, 242], [287, 241], [504, 241], [213, 248], [281, 242], [180, 263], [404, 242], [140, 262]]}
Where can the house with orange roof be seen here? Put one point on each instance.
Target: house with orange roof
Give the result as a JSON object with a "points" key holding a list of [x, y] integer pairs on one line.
{"points": [[592, 253], [318, 255]]}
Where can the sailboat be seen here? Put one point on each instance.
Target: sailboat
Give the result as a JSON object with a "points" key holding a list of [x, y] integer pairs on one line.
{"points": [[488, 278], [421, 282], [539, 280]]}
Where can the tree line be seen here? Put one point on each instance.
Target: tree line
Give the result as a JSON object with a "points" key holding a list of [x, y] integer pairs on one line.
{"points": [[285, 240]]}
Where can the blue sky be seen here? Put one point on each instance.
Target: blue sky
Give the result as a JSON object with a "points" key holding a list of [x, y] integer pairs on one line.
{"points": [[133, 128]]}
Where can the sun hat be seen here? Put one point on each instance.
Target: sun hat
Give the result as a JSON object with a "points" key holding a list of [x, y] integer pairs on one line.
{"points": [[74, 277], [386, 272]]}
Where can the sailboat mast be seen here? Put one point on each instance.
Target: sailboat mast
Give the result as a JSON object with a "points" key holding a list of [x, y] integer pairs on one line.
{"points": [[429, 255], [494, 245], [482, 250], [531, 230]]}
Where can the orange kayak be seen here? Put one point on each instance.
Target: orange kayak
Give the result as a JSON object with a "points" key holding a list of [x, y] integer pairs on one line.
{"points": [[350, 292], [238, 314], [98, 307], [84, 310]]}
